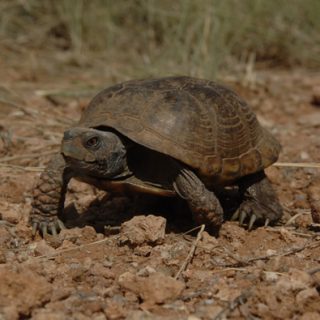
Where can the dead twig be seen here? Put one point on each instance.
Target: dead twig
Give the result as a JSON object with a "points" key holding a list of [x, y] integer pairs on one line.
{"points": [[295, 233], [58, 253], [27, 156], [292, 219], [68, 93], [191, 230], [308, 244], [239, 300], [297, 164], [12, 166], [7, 223], [230, 269], [241, 262], [191, 253]]}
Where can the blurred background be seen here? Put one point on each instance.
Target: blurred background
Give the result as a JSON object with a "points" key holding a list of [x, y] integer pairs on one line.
{"points": [[142, 38]]}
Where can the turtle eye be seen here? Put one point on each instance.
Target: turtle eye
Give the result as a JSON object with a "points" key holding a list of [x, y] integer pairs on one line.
{"points": [[93, 142]]}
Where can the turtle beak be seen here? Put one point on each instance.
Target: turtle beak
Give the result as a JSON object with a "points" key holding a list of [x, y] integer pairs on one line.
{"points": [[70, 149]]}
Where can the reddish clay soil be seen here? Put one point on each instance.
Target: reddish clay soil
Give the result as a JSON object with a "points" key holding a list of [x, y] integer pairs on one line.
{"points": [[114, 264]]}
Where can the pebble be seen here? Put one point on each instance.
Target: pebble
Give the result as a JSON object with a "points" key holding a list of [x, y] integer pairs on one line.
{"points": [[271, 276], [155, 289], [143, 230], [307, 294]]}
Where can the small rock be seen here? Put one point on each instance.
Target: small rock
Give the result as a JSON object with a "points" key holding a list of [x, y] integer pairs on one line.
{"points": [[88, 233], [262, 308], [304, 155], [208, 312], [286, 235], [69, 236], [143, 251], [115, 310], [60, 293], [306, 294], [131, 297], [271, 252], [271, 276], [76, 271], [298, 280], [208, 243], [99, 316], [145, 272], [100, 270], [128, 281], [310, 119], [159, 288], [143, 230], [300, 201], [310, 316], [11, 215], [87, 263], [156, 289], [145, 315], [107, 263], [42, 248]]}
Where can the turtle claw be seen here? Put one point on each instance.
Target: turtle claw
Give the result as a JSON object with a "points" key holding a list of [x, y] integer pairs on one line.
{"points": [[266, 223], [235, 216], [243, 216], [61, 225], [253, 218], [254, 213], [47, 227], [54, 230], [44, 229], [34, 228]]}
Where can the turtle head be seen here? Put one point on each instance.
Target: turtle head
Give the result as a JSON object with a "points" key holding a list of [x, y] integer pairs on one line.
{"points": [[94, 152]]}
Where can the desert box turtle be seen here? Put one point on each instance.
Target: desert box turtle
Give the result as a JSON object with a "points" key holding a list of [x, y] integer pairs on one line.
{"points": [[174, 136]]}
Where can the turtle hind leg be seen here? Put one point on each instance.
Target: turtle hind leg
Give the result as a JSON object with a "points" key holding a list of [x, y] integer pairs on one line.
{"points": [[259, 201], [204, 204]]}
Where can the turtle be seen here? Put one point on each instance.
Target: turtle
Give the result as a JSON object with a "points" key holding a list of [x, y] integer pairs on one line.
{"points": [[172, 137]]}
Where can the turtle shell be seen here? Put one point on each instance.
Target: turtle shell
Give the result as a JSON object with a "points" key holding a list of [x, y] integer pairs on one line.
{"points": [[198, 122]]}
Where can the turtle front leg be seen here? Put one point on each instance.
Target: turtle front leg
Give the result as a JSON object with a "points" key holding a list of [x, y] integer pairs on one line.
{"points": [[260, 202], [49, 197], [203, 203]]}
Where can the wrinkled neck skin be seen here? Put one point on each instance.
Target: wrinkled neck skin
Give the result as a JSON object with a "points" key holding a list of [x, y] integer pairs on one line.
{"points": [[107, 159]]}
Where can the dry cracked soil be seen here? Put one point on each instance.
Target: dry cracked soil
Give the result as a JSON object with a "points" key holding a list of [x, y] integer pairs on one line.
{"points": [[113, 263]]}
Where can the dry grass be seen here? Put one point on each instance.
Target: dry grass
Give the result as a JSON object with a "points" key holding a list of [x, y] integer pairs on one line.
{"points": [[162, 37]]}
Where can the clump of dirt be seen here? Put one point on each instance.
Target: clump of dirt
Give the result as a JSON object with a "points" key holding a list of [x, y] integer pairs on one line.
{"points": [[143, 230], [111, 264]]}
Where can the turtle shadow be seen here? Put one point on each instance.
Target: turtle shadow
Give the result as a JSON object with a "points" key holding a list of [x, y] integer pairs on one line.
{"points": [[107, 212]]}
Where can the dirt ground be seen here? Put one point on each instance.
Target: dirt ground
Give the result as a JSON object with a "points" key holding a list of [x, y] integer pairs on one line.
{"points": [[152, 267]]}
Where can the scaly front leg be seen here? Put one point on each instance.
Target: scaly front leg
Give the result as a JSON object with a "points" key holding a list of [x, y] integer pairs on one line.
{"points": [[49, 197], [203, 203]]}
